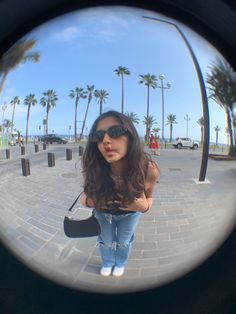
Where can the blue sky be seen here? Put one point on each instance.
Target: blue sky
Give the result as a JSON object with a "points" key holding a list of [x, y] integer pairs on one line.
{"points": [[85, 47]]}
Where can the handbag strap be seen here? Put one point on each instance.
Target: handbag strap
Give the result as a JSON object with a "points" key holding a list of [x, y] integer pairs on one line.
{"points": [[70, 209]]}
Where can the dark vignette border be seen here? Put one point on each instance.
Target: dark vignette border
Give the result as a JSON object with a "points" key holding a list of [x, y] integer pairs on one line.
{"points": [[208, 289]]}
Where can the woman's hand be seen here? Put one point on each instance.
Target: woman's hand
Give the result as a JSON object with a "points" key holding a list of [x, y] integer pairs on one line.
{"points": [[140, 204]]}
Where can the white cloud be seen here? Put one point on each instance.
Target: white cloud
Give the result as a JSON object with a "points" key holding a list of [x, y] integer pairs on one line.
{"points": [[100, 23], [68, 34]]}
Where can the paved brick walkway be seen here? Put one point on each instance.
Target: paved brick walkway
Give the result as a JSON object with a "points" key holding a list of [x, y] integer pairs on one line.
{"points": [[187, 222]]}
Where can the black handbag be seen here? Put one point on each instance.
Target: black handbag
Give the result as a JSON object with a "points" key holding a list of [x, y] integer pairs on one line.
{"points": [[84, 228]]}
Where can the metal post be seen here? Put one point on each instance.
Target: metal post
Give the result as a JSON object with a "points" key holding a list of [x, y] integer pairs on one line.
{"points": [[81, 150], [7, 153], [22, 150], [68, 154], [187, 119], [44, 146], [51, 159], [25, 166], [36, 148], [205, 108]]}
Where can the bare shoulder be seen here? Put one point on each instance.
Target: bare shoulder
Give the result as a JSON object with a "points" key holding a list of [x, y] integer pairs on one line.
{"points": [[153, 172]]}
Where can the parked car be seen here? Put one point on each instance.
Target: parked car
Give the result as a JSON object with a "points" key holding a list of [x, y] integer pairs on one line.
{"points": [[181, 142], [53, 138]]}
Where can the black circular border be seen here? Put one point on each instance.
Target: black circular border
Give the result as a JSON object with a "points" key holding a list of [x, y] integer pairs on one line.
{"points": [[211, 287]]}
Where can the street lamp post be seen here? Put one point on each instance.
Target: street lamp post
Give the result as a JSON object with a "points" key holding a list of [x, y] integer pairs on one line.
{"points": [[168, 85], [205, 108], [187, 119]]}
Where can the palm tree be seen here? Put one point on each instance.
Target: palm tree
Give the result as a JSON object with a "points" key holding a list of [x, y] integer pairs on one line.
{"points": [[29, 101], [149, 81], [48, 100], [77, 93], [101, 96], [133, 117], [121, 71], [171, 119], [222, 86], [90, 90], [156, 130], [15, 101], [148, 121], [7, 124], [200, 121], [217, 129], [17, 54]]}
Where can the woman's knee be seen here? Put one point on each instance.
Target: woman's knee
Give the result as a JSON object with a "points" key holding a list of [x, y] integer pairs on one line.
{"points": [[125, 242], [106, 244]]}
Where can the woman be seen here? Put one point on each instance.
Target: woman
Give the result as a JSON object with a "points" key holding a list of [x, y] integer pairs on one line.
{"points": [[119, 179]]}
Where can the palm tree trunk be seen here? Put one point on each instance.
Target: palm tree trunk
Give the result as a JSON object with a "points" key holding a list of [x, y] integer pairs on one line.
{"points": [[75, 126], [48, 108], [122, 92], [147, 135], [171, 130], [3, 80], [201, 134], [27, 125], [85, 117], [12, 119], [232, 147], [100, 107]]}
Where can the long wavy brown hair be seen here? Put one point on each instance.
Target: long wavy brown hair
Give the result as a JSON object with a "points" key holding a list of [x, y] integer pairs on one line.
{"points": [[98, 183]]}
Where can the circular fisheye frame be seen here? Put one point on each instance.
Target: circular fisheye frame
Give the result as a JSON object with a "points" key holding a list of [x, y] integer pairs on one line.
{"points": [[55, 81]]}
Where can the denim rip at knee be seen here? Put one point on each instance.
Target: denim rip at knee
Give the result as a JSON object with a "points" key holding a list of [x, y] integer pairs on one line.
{"points": [[115, 242]]}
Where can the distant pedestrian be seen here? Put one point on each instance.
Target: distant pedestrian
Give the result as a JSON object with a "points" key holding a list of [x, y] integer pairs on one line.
{"points": [[151, 139], [154, 145], [21, 141], [18, 138], [119, 179]]}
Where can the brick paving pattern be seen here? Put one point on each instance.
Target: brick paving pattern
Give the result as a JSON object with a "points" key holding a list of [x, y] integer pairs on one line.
{"points": [[188, 220]]}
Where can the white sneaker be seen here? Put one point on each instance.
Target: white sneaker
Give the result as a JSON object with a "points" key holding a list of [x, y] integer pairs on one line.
{"points": [[105, 271], [118, 271]]}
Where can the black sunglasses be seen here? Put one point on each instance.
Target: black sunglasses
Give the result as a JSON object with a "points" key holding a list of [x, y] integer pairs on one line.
{"points": [[113, 132]]}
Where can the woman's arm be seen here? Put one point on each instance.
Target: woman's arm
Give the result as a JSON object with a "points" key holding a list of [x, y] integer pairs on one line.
{"points": [[144, 202], [85, 201]]}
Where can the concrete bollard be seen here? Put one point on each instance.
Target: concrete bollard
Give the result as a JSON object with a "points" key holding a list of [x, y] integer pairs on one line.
{"points": [[81, 150], [25, 166], [68, 154], [22, 150], [44, 146], [7, 153], [36, 148], [51, 159]]}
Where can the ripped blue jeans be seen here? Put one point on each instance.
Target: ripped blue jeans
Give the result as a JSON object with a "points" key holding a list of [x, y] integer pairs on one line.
{"points": [[117, 234]]}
